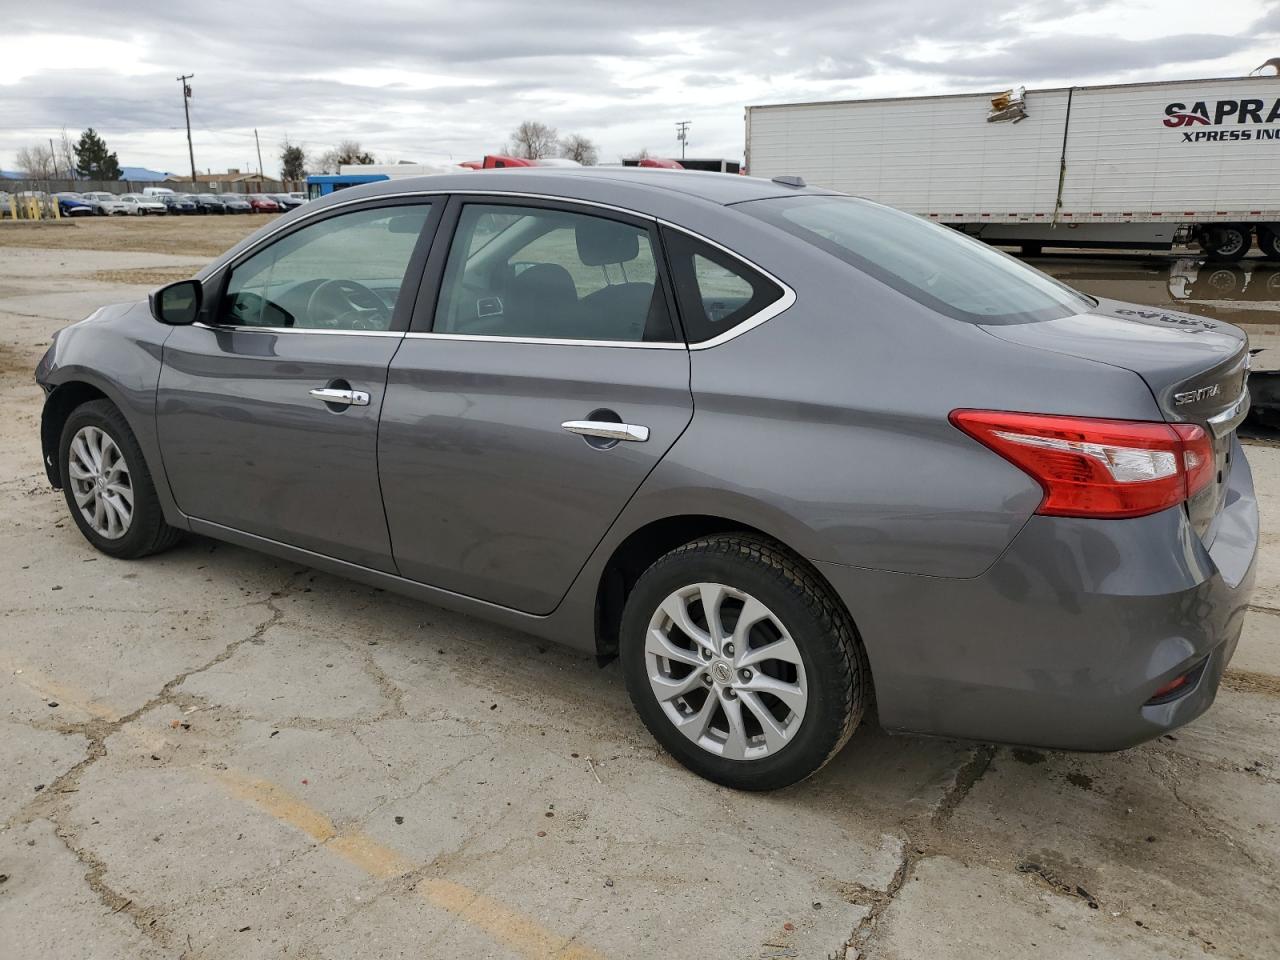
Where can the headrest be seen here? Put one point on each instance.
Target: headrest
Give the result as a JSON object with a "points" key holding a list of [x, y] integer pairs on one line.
{"points": [[604, 241]]}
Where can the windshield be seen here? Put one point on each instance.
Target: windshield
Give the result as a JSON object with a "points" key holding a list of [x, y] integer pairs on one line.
{"points": [[930, 263]]}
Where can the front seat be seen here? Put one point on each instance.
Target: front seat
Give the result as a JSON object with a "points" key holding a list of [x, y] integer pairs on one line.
{"points": [[542, 300]]}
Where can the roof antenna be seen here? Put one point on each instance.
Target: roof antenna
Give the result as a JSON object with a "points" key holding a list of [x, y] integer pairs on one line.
{"points": [[790, 181]]}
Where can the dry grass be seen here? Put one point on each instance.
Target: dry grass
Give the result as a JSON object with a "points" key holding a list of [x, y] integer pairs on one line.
{"points": [[205, 236], [142, 276]]}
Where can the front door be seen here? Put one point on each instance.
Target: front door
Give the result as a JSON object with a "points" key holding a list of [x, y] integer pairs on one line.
{"points": [[550, 383], [268, 414]]}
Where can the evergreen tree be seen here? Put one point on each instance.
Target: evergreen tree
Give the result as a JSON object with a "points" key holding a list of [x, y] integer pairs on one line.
{"points": [[93, 161], [293, 162]]}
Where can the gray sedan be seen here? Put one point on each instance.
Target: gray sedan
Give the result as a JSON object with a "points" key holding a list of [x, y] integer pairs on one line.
{"points": [[771, 446]]}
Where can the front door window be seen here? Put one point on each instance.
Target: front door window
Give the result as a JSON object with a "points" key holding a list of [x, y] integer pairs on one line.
{"points": [[341, 273]]}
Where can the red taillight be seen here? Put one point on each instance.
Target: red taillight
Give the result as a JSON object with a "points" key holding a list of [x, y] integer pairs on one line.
{"points": [[1098, 468]]}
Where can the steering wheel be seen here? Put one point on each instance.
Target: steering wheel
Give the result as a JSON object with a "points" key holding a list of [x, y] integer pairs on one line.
{"points": [[346, 304]]}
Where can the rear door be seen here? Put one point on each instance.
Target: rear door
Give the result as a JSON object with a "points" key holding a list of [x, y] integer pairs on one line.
{"points": [[268, 413], [531, 399]]}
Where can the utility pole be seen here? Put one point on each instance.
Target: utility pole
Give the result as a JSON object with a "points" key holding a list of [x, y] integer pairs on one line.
{"points": [[259, 146], [682, 134], [186, 111], [53, 159]]}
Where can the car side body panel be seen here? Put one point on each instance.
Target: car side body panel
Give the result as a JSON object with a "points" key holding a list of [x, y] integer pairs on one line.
{"points": [[1064, 639], [486, 493], [117, 351], [247, 446]]}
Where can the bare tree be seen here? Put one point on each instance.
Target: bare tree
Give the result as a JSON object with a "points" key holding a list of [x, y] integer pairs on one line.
{"points": [[532, 140], [350, 151], [38, 162], [346, 152], [326, 162], [66, 156], [575, 146], [641, 154]]}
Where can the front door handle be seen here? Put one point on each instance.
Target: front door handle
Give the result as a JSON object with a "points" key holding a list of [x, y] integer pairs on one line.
{"points": [[607, 430], [350, 398]]}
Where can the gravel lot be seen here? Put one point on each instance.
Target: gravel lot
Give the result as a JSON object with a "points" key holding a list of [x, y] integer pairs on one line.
{"points": [[212, 753]]}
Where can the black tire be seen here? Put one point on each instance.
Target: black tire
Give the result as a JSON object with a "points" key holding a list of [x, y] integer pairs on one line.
{"points": [[148, 532], [1032, 249], [835, 664], [1226, 242], [1269, 241]]}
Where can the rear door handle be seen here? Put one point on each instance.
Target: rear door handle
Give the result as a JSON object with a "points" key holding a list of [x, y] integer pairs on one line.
{"points": [[607, 430], [352, 398]]}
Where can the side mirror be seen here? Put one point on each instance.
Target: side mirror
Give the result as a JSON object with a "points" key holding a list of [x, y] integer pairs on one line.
{"points": [[178, 304]]}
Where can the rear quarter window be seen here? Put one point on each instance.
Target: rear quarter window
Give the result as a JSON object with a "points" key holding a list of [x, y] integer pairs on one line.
{"points": [[716, 292]]}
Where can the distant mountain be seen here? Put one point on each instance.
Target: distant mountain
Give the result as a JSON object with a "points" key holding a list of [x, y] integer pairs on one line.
{"points": [[140, 174]]}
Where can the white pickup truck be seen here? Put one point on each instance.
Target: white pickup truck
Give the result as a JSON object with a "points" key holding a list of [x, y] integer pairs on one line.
{"points": [[1140, 165]]}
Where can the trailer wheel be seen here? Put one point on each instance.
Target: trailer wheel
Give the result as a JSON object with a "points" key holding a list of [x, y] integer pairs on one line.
{"points": [[1225, 242], [1269, 241]]}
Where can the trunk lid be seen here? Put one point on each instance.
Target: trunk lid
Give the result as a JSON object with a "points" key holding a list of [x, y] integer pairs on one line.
{"points": [[1196, 368]]}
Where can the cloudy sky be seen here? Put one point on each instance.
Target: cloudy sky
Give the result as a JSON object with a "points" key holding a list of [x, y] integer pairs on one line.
{"points": [[430, 81]]}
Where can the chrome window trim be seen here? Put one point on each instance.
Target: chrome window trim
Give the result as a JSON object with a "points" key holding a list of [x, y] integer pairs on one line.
{"points": [[782, 304], [554, 341], [779, 306], [244, 328]]}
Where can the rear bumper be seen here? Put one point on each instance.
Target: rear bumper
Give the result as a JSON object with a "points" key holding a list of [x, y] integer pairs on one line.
{"points": [[1066, 637]]}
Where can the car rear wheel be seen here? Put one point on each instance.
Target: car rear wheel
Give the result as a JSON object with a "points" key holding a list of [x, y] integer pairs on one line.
{"points": [[107, 486], [741, 663]]}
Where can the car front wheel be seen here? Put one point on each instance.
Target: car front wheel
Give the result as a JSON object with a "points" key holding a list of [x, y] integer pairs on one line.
{"points": [[741, 663], [108, 488]]}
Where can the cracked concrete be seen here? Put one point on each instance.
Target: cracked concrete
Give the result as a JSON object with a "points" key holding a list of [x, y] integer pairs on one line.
{"points": [[238, 757]]}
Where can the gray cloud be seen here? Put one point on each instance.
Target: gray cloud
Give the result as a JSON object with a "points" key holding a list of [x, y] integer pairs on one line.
{"points": [[1075, 56], [619, 73]]}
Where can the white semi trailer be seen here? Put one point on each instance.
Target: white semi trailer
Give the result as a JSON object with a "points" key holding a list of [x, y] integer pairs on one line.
{"points": [[1139, 165]]}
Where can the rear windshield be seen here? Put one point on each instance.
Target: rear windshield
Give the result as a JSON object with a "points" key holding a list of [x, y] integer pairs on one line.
{"points": [[932, 264]]}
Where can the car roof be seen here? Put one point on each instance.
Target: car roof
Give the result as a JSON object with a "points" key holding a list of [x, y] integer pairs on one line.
{"points": [[719, 188]]}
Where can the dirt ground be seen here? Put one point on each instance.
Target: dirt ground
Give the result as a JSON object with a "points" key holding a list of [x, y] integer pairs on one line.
{"points": [[215, 754], [201, 236]]}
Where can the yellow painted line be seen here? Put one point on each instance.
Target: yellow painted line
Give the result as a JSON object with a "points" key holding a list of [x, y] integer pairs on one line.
{"points": [[61, 692], [522, 934]]}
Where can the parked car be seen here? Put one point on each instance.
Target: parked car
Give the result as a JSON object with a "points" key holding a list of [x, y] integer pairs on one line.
{"points": [[157, 192], [768, 445], [145, 205], [107, 204], [73, 205], [287, 201], [236, 202], [261, 203], [177, 202], [208, 203]]}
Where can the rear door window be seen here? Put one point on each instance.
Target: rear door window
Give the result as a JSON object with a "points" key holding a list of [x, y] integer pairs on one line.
{"points": [[716, 292], [544, 273]]}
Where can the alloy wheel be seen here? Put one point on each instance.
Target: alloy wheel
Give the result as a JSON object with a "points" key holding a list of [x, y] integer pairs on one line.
{"points": [[725, 671], [100, 482]]}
